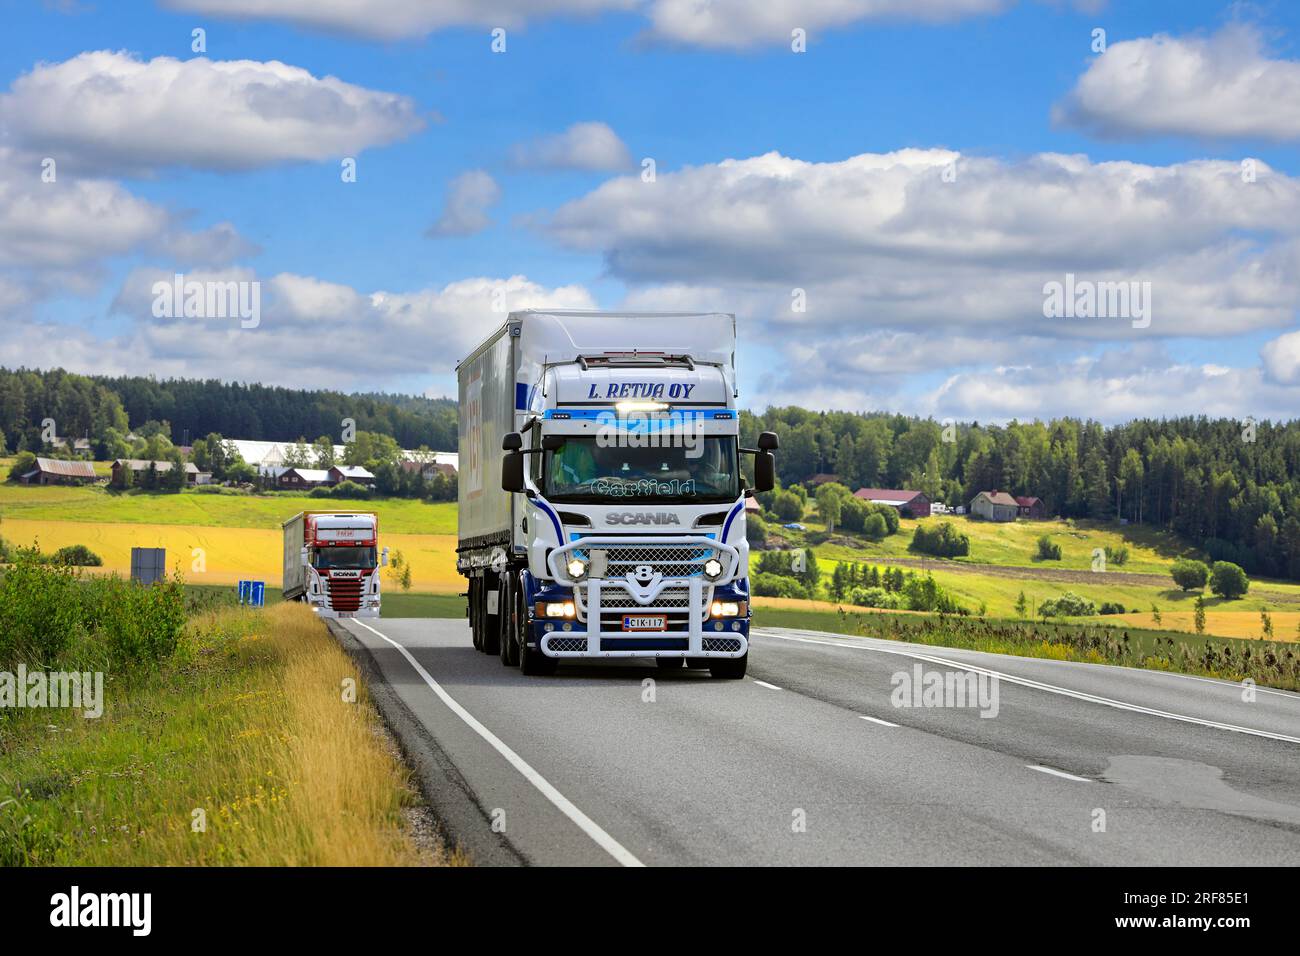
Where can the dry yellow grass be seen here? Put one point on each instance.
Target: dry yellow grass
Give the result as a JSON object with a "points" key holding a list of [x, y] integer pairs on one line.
{"points": [[229, 554], [248, 730], [1245, 624]]}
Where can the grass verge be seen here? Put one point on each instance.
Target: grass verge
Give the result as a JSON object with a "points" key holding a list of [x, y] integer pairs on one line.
{"points": [[247, 724], [1268, 663]]}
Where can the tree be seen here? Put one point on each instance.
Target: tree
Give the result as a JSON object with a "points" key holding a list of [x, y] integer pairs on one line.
{"points": [[1228, 580], [1048, 550], [22, 464], [874, 526], [1198, 614], [830, 502], [1189, 575], [298, 455], [323, 448], [1022, 605], [173, 479]]}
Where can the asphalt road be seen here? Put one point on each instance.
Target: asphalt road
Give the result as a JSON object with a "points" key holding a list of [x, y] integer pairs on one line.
{"points": [[808, 761]]}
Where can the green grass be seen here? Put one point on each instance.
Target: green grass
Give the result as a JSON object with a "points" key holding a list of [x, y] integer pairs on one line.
{"points": [[1015, 543], [269, 511], [395, 603], [246, 723], [1268, 663]]}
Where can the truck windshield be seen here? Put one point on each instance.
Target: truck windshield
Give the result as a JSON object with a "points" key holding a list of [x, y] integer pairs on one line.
{"points": [[340, 559], [585, 469]]}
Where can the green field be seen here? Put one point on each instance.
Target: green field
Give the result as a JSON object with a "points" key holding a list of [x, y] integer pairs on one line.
{"points": [[1015, 543], [266, 511]]}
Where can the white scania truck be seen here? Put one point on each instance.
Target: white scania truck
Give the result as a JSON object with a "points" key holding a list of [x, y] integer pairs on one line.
{"points": [[602, 504]]}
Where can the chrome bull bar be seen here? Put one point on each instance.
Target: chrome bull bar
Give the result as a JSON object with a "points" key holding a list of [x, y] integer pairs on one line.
{"points": [[639, 569]]}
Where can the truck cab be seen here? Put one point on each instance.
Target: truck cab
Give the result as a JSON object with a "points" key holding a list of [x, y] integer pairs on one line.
{"points": [[332, 562], [624, 471]]}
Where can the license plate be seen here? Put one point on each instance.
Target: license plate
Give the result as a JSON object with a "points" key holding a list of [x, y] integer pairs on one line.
{"points": [[645, 622], [345, 614]]}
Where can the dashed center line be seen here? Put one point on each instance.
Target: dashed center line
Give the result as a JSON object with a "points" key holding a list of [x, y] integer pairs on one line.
{"points": [[1057, 773], [763, 683], [877, 720]]}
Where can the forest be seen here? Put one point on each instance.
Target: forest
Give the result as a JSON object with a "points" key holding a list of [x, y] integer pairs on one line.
{"points": [[1231, 487]]}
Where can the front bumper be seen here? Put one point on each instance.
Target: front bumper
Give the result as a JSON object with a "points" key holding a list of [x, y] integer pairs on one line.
{"points": [[646, 576]]}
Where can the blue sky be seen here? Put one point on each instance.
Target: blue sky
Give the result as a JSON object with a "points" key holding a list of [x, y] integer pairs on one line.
{"points": [[957, 288]]}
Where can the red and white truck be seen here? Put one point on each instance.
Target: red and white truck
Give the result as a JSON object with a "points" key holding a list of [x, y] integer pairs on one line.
{"points": [[332, 561]]}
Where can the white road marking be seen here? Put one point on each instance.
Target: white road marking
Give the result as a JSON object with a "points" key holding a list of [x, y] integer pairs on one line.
{"points": [[877, 720], [763, 683], [561, 802], [1039, 685], [1057, 773]]}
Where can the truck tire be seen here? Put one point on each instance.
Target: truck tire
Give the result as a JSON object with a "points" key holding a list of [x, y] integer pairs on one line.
{"points": [[471, 602], [532, 662], [729, 668], [490, 623], [506, 614]]}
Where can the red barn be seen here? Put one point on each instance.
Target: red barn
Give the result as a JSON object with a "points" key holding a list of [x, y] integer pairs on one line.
{"points": [[912, 504]]}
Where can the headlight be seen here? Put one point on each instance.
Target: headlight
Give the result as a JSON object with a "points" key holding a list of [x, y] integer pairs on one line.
{"points": [[727, 609], [713, 569], [556, 609], [576, 568]]}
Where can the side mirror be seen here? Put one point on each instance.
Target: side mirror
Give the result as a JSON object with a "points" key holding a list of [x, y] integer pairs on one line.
{"points": [[302, 555], [512, 470], [764, 471], [513, 441], [767, 441], [383, 558]]}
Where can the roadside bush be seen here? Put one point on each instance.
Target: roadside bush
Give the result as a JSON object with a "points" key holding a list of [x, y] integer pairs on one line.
{"points": [[77, 555], [1111, 607], [1117, 555], [1189, 575], [874, 597], [321, 491], [45, 609], [755, 531], [874, 527], [942, 540], [1228, 580], [350, 489], [1068, 604], [1048, 550], [776, 585]]}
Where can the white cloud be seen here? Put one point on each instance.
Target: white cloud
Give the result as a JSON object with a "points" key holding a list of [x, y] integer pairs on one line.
{"points": [[743, 23], [1221, 86], [885, 241], [1093, 387], [397, 19], [312, 330], [218, 245], [110, 111], [68, 223], [465, 210], [585, 146], [1282, 359]]}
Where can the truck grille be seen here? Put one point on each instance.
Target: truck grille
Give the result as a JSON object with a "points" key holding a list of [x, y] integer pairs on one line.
{"points": [[669, 561], [345, 594]]}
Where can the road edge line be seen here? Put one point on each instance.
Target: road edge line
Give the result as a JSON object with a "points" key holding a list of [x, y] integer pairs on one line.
{"points": [[562, 803]]}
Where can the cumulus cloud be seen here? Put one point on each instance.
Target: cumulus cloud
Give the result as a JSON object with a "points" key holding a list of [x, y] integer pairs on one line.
{"points": [[584, 146], [744, 23], [70, 222], [218, 245], [397, 19], [109, 111], [894, 241], [465, 210], [1282, 359], [359, 339], [1223, 86]]}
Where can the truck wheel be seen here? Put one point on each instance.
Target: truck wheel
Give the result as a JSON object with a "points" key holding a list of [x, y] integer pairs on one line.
{"points": [[506, 613], [729, 668], [475, 628], [489, 624], [669, 663], [532, 662]]}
